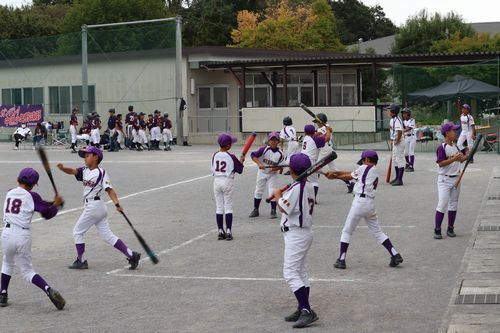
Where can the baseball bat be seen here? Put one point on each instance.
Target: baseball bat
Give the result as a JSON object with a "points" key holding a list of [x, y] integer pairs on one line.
{"points": [[312, 169], [312, 114], [473, 150], [388, 177], [141, 240], [249, 143], [45, 162]]}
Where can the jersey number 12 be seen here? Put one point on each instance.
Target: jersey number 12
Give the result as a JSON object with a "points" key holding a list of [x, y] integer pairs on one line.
{"points": [[220, 166]]}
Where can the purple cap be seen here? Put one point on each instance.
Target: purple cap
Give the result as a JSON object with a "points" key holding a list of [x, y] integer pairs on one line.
{"points": [[368, 153], [28, 176], [448, 127], [91, 150], [309, 129], [273, 135], [466, 106], [226, 139], [299, 163]]}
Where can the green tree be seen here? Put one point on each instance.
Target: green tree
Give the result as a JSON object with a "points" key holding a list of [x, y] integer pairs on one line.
{"points": [[480, 42], [356, 20], [421, 31], [289, 27]]}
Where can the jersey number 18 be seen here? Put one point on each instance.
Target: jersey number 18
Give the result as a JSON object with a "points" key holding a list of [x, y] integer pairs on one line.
{"points": [[15, 207]]}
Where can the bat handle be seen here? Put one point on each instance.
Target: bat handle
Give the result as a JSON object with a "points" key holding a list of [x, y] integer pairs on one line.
{"points": [[271, 197]]}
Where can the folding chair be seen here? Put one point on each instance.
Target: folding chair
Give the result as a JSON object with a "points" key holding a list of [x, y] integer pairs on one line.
{"points": [[60, 138], [490, 142]]}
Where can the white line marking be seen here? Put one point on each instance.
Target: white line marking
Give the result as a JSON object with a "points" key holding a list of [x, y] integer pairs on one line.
{"points": [[169, 249], [363, 226], [132, 195], [111, 161], [228, 278]]}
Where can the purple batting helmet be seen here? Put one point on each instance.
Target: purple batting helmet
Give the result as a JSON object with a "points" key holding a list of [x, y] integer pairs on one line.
{"points": [[299, 163], [273, 135], [91, 150], [448, 127], [368, 153], [226, 139], [28, 176], [309, 129]]}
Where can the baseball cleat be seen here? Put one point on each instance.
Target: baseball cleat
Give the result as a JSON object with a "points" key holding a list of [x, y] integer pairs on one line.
{"points": [[437, 234], [340, 264], [410, 169], [306, 318], [398, 182], [221, 236], [396, 260], [229, 237], [350, 187], [450, 232], [134, 260], [254, 213], [393, 181], [293, 317], [3, 300], [79, 265], [273, 214], [56, 298]]}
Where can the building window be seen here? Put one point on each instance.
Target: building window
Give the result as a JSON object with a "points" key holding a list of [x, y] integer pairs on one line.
{"points": [[22, 96], [63, 99], [258, 91], [342, 90]]}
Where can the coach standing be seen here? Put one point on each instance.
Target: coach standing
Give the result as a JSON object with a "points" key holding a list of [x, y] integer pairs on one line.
{"points": [[398, 147]]}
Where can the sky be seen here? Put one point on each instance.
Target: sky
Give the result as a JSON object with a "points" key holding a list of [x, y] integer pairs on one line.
{"points": [[398, 10]]}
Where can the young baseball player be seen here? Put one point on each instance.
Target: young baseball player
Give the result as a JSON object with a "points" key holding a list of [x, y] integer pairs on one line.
{"points": [[270, 156], [296, 205], [95, 125], [398, 147], [410, 139], [119, 132], [156, 130], [73, 123], [448, 159], [311, 146], [325, 130], [129, 121], [363, 207], [95, 180], [112, 131], [289, 134], [141, 131], [468, 132], [224, 166], [167, 132], [19, 206]]}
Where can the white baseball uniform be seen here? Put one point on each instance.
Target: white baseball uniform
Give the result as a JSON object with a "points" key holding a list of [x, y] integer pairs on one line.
{"points": [[268, 157], [19, 207], [224, 166], [297, 204], [447, 192], [311, 146], [396, 125], [409, 137], [289, 135], [363, 204], [326, 149], [94, 211], [467, 122], [95, 136]]}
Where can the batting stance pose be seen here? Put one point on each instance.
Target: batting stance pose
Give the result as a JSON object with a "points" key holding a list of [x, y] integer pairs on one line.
{"points": [[224, 166], [20, 205], [270, 156], [95, 180], [410, 139], [398, 146], [363, 207], [296, 205], [448, 159]]}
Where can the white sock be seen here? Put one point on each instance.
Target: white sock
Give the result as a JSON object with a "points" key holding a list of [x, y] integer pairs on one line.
{"points": [[393, 251], [221, 231], [342, 256], [228, 231]]}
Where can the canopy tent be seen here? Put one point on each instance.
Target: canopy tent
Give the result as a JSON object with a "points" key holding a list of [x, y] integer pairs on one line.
{"points": [[458, 86]]}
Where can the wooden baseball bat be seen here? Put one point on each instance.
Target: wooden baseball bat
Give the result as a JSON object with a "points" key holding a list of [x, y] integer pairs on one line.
{"points": [[249, 143], [388, 177], [312, 114], [45, 162], [150, 253], [312, 169], [473, 150]]}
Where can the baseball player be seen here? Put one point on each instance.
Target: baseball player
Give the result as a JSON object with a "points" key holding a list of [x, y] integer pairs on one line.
{"points": [[156, 130], [448, 159], [19, 206], [119, 132], [129, 121], [363, 207], [270, 156], [325, 130], [398, 147], [112, 131], [410, 139], [224, 166], [289, 134], [95, 180], [311, 146], [95, 125], [167, 132], [468, 132], [296, 205], [141, 131], [73, 123]]}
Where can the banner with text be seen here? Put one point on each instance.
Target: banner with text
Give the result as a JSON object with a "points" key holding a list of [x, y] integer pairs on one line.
{"points": [[15, 115]]}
